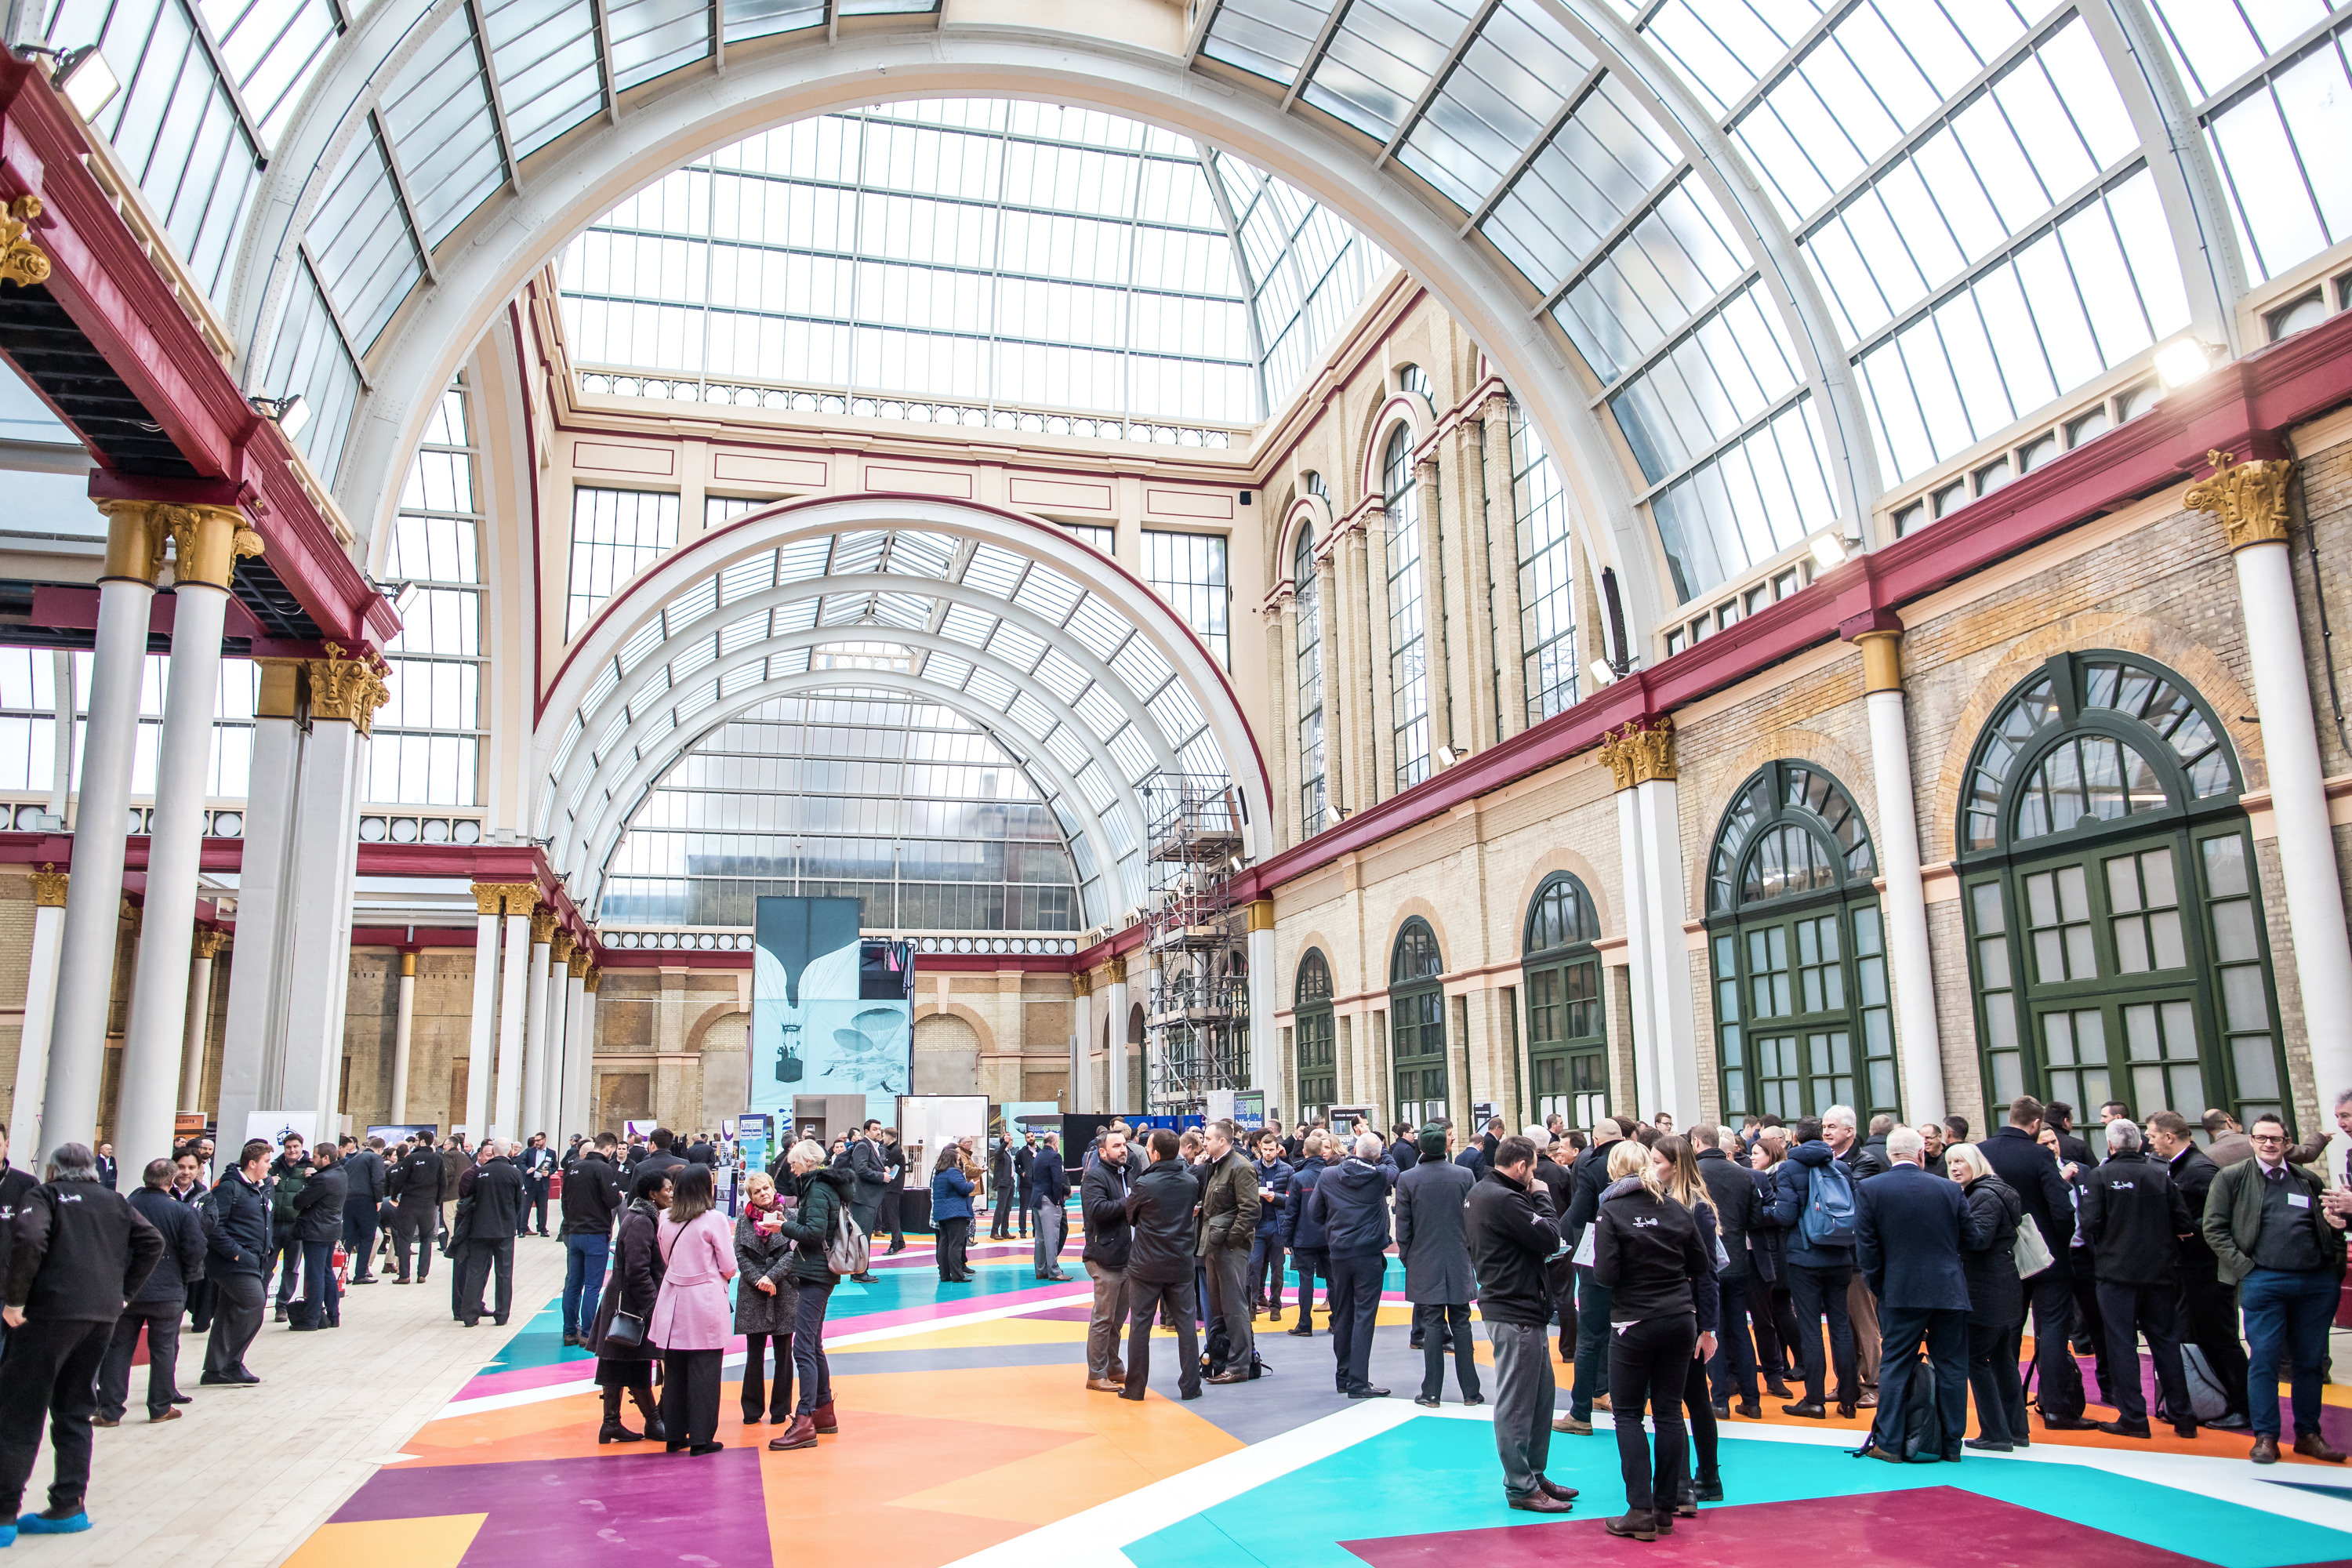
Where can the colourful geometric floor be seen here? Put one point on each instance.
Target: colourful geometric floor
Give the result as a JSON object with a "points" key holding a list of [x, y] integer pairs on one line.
{"points": [[967, 1437]]}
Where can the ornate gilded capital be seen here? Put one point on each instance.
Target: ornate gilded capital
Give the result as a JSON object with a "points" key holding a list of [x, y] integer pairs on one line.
{"points": [[488, 896], [580, 965], [136, 533], [522, 898], [2249, 498], [561, 948], [1261, 914], [542, 929], [507, 898], [593, 979], [21, 261], [1118, 967], [49, 887], [1641, 752], [207, 542], [346, 688], [1082, 983], [209, 940]]}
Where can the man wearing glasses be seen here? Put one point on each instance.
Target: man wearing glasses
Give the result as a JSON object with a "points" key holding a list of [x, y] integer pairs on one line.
{"points": [[2275, 1237]]}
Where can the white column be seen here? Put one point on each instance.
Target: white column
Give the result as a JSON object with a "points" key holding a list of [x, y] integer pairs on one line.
{"points": [[126, 591], [253, 1036], [1665, 904], [1918, 1040], [1265, 987], [1082, 1049], [547, 1089], [40, 1005], [1116, 1004], [527, 1115], [2308, 866], [583, 1103], [200, 1017], [404, 1026], [506, 1099], [317, 900], [1636, 881], [488, 896], [572, 1113], [205, 539]]}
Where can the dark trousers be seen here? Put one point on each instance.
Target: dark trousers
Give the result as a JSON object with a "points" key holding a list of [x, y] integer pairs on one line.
{"points": [[237, 1318], [534, 1216], [286, 1252], [1355, 1307], [1774, 1317], [412, 1228], [886, 1218], [1700, 1412], [1945, 1334], [689, 1397], [1311, 1261], [1000, 1225], [583, 1279], [1523, 1397], [809, 1364], [1813, 1292], [1649, 1367], [1434, 1321], [1732, 1369], [1228, 1271], [1145, 1300], [2126, 1313], [1992, 1377], [1265, 1270], [1559, 1279], [1028, 1201], [2057, 1380], [2208, 1319], [2090, 1323], [2287, 1314], [50, 1370], [955, 1241], [474, 1273], [162, 1325], [1592, 1345], [322, 1300], [359, 1234], [758, 1394]]}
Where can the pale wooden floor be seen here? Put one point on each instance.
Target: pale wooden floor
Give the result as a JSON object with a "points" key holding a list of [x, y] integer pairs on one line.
{"points": [[246, 1475]]}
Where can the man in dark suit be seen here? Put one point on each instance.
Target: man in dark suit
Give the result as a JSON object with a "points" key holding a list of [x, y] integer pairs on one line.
{"points": [[1434, 1243], [487, 1231], [1738, 1209], [1024, 1161], [1587, 1314], [1909, 1230], [2135, 1220], [2029, 1168], [2209, 1309], [869, 1179], [416, 1185], [107, 1169], [538, 1167]]}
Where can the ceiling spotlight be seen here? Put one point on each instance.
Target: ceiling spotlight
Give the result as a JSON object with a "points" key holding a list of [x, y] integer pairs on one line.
{"points": [[289, 413], [2183, 360], [1828, 552]]}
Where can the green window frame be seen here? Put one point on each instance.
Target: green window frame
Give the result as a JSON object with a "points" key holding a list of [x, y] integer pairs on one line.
{"points": [[2114, 920], [1314, 1062], [1417, 1023], [1568, 1041], [1796, 945]]}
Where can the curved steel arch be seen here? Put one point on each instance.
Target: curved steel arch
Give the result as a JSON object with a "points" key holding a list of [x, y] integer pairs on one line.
{"points": [[647, 771], [686, 568], [515, 234]]}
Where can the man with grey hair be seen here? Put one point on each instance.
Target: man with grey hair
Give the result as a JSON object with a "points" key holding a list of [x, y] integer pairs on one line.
{"points": [[1910, 1229], [1351, 1204], [1839, 1131], [77, 1252], [2134, 1219]]}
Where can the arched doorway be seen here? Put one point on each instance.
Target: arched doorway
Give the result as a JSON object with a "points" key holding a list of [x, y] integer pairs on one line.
{"points": [[1417, 1023], [1567, 1045], [1314, 1063]]}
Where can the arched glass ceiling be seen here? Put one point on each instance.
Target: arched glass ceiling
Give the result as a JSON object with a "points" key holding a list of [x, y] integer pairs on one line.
{"points": [[906, 806], [1004, 253], [1058, 676]]}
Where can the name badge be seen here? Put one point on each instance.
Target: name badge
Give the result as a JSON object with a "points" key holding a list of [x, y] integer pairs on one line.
{"points": [[2298, 1200]]}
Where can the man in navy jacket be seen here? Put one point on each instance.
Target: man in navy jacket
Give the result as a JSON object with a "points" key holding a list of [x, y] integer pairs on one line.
{"points": [[1909, 1229], [2029, 1168], [1350, 1202]]}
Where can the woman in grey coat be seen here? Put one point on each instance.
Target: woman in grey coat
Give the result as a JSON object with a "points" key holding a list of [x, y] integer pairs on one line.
{"points": [[1432, 1235], [765, 1300]]}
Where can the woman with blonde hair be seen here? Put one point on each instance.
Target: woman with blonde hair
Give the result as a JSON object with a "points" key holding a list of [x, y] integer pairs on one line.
{"points": [[690, 1319], [765, 1300], [824, 1194], [1996, 1300], [1676, 1164], [1647, 1249]]}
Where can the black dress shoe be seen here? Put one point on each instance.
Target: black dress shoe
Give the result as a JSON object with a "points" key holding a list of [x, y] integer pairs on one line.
{"points": [[1708, 1492], [1301, 1331], [1474, 1399], [1426, 1401], [1723, 1410], [1987, 1444], [2069, 1423], [1631, 1526], [1366, 1391], [1805, 1410], [2125, 1429], [1751, 1410]]}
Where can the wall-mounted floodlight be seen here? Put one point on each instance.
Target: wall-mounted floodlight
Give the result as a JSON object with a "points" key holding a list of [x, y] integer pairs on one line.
{"points": [[289, 413], [1828, 551], [82, 76], [2184, 360], [1602, 674]]}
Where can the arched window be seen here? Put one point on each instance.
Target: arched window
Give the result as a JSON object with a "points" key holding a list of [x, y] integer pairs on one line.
{"points": [[1567, 1043], [1408, 650], [1315, 487], [2114, 920], [1800, 952], [1307, 606], [1414, 379], [1314, 1068], [1417, 1023]]}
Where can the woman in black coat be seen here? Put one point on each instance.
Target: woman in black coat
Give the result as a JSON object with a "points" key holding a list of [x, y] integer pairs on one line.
{"points": [[634, 1286], [1996, 1301], [1662, 1310]]}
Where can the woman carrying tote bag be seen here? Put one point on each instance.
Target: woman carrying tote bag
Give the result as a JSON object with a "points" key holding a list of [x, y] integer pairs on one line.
{"points": [[624, 1351]]}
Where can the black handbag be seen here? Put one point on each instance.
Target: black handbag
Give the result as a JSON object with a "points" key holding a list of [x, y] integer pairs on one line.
{"points": [[628, 1329]]}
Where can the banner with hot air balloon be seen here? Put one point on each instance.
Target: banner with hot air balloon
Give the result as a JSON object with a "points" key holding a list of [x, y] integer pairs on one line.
{"points": [[816, 1028]]}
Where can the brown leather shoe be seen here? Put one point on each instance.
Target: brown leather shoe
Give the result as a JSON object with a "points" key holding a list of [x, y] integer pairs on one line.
{"points": [[1564, 1422], [2312, 1446], [2265, 1451], [1106, 1386], [1117, 1373], [172, 1413], [800, 1434], [827, 1422], [1235, 1375]]}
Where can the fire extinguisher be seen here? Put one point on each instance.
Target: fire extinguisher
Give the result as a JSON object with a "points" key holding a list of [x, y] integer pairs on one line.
{"points": [[555, 1186], [342, 1265]]}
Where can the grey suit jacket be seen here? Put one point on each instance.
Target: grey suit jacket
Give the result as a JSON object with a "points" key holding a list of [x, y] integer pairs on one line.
{"points": [[1432, 1232]]}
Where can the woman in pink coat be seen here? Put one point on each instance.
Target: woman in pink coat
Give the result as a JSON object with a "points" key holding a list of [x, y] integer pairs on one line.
{"points": [[692, 1320]]}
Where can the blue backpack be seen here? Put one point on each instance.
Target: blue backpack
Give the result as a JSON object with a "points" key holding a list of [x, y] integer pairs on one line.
{"points": [[1829, 1217]]}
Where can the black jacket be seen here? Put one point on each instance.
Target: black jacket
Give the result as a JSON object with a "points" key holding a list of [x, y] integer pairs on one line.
{"points": [[1513, 1232], [1587, 1178], [635, 1284], [1049, 1179], [1351, 1203], [364, 1175], [2033, 1175], [2192, 1176], [1406, 1154], [182, 1263], [2134, 1218], [238, 1231], [318, 1207], [1738, 1206], [1996, 1295], [871, 1171], [592, 1196], [14, 1185], [824, 1193], [1647, 1250], [416, 1180], [1102, 1210], [1159, 1211], [497, 1194], [1304, 1228], [1868, 1159], [81, 1252]]}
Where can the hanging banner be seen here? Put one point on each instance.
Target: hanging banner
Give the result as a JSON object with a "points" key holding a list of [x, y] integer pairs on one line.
{"points": [[818, 1025]]}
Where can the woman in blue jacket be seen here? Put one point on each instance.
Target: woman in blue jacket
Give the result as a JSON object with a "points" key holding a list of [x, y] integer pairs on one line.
{"points": [[951, 1214]]}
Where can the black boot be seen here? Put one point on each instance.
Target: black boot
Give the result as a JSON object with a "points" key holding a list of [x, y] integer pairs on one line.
{"points": [[612, 1431], [652, 1413]]}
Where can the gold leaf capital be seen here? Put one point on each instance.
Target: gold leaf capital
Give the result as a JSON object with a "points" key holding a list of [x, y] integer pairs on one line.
{"points": [[21, 261], [346, 688], [49, 887], [2249, 498], [542, 929], [1641, 752]]}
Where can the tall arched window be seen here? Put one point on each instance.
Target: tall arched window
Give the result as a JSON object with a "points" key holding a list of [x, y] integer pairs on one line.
{"points": [[1567, 1047], [1314, 1067], [1307, 606], [2114, 919], [1417, 1023], [1800, 951], [1408, 651]]}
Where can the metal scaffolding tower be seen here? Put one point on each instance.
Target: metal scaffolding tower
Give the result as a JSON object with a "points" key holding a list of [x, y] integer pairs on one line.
{"points": [[1197, 1025]]}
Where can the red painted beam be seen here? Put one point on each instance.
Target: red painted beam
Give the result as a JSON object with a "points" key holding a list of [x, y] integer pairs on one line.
{"points": [[102, 279]]}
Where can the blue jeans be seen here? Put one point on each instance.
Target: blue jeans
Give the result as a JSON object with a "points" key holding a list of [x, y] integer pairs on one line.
{"points": [[583, 1279], [322, 1301], [2287, 1314]]}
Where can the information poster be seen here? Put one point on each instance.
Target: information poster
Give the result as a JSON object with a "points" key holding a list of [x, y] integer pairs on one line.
{"points": [[813, 1029], [751, 1139]]}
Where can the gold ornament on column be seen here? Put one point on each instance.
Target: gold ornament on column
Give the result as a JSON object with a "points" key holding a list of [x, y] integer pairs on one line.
{"points": [[1639, 751], [1082, 983], [49, 887], [208, 943], [488, 897], [1118, 967], [348, 689], [207, 542], [563, 946], [21, 261], [2249, 498], [136, 535], [593, 979], [579, 961], [542, 929]]}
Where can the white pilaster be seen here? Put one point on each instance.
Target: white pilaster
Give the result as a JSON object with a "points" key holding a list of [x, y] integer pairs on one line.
{"points": [[1664, 904], [1115, 1068], [1638, 966], [1265, 987], [485, 1018], [546, 1089], [1918, 1040], [41, 1007], [527, 1118], [577, 1048], [506, 1099], [1082, 1050], [253, 1036], [317, 905], [404, 1024], [198, 1029]]}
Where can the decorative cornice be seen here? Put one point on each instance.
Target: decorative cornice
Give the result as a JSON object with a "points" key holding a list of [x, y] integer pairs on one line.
{"points": [[1641, 752], [346, 688], [2249, 498], [49, 887], [21, 261]]}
